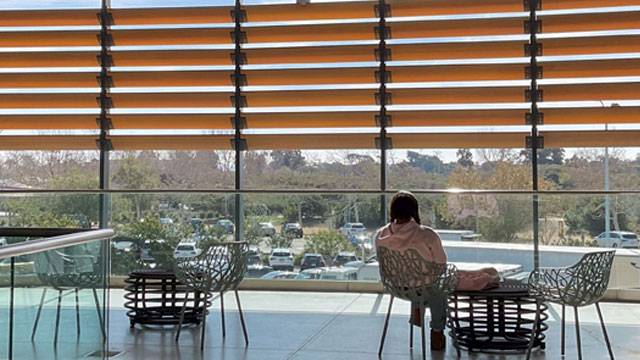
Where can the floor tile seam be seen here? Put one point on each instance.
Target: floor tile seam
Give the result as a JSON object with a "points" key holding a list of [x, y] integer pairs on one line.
{"points": [[324, 326]]}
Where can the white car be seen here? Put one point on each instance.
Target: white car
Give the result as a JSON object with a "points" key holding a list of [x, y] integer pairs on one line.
{"points": [[186, 250], [352, 229], [618, 239], [281, 259], [267, 229]]}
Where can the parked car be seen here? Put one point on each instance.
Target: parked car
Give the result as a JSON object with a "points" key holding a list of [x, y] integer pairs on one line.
{"points": [[339, 273], [281, 259], [344, 257], [457, 235], [359, 239], [166, 221], [267, 229], [311, 274], [120, 245], [257, 270], [196, 223], [292, 230], [186, 250], [227, 225], [253, 257], [310, 261], [618, 239], [352, 228], [145, 252], [279, 275]]}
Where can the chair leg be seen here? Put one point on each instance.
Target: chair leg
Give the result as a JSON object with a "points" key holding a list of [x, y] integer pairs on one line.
{"points": [[77, 313], [575, 311], [224, 328], [410, 335], [534, 330], [562, 330], [244, 326], [55, 335], [35, 324], [100, 320], [424, 345], [181, 320], [386, 325], [604, 331], [204, 323]]}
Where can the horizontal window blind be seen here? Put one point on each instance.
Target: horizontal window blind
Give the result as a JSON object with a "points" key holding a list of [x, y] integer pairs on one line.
{"points": [[322, 75]]}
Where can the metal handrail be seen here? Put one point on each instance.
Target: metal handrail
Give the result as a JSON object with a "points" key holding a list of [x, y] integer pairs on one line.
{"points": [[52, 243]]}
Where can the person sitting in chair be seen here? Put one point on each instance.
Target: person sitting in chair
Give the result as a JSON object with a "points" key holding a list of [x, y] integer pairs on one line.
{"points": [[404, 232]]}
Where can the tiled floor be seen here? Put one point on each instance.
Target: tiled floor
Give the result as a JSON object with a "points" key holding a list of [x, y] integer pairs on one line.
{"points": [[282, 325], [342, 326]]}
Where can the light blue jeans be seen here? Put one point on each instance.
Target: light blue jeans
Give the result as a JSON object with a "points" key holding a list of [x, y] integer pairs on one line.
{"points": [[437, 304]]}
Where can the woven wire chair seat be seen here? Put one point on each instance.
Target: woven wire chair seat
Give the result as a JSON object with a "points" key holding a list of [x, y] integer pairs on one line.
{"points": [[579, 285], [410, 277], [217, 269]]}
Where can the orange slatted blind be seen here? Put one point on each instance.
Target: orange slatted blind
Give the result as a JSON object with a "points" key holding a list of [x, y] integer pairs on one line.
{"points": [[54, 80], [311, 120], [171, 121], [311, 142], [163, 142], [172, 78], [312, 11], [310, 76], [173, 68], [456, 141], [588, 33], [457, 118], [168, 15], [439, 7], [47, 142], [49, 122], [311, 98]]}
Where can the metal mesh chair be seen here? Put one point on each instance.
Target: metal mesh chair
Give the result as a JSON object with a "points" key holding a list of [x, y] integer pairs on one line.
{"points": [[65, 272], [410, 277], [218, 269], [579, 285]]}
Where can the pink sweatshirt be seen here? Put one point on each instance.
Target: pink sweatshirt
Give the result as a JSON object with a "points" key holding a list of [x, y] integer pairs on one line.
{"points": [[427, 243]]}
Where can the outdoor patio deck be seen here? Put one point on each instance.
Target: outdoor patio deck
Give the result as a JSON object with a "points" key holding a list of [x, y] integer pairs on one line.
{"points": [[297, 325]]}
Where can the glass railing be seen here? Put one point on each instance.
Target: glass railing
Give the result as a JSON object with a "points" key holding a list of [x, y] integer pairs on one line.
{"points": [[53, 294], [328, 235]]}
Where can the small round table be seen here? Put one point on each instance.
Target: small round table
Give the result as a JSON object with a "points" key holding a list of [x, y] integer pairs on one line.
{"points": [[496, 320], [155, 297]]}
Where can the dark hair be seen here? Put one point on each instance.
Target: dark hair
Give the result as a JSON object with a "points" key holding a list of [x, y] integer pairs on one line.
{"points": [[404, 207]]}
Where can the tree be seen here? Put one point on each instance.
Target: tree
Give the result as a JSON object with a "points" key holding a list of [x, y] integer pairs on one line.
{"points": [[136, 174], [327, 243], [465, 158], [428, 163], [292, 159], [553, 156]]}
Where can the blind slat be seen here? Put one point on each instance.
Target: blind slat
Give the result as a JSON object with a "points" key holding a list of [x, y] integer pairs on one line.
{"points": [[457, 141], [310, 142], [165, 142], [457, 118]]}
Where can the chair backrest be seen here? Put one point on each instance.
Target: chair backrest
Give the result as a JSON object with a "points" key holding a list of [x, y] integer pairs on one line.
{"points": [[64, 271], [590, 278], [218, 268], [409, 276]]}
